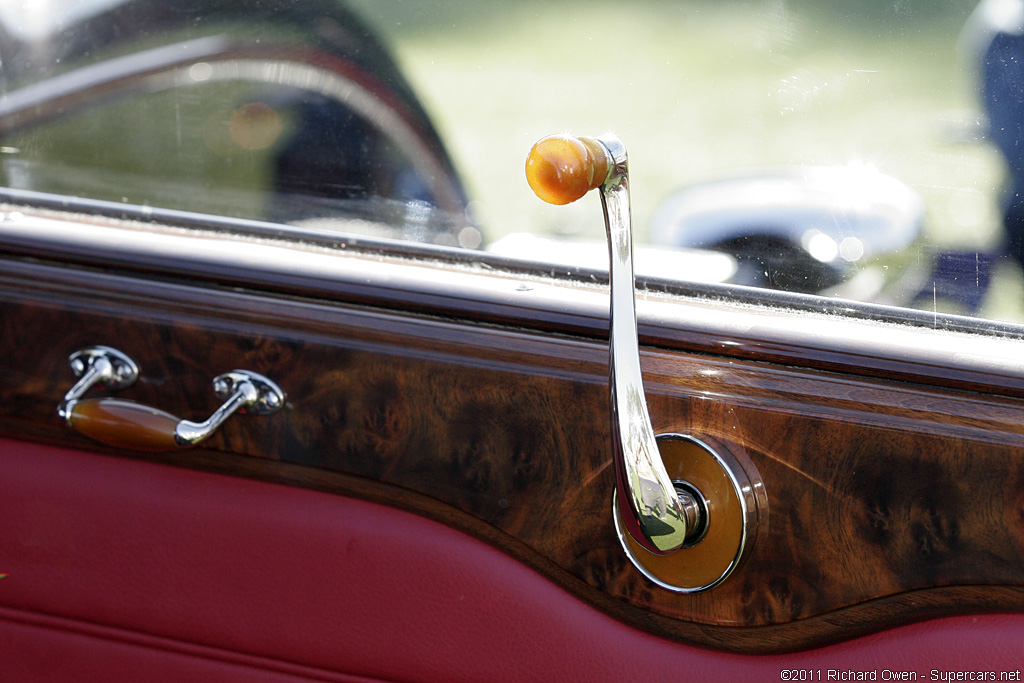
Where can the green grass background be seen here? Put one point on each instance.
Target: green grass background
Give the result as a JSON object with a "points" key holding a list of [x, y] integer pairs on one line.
{"points": [[700, 88]]}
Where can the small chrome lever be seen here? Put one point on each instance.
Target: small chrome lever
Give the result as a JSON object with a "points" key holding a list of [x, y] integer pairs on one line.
{"points": [[561, 169], [127, 424]]}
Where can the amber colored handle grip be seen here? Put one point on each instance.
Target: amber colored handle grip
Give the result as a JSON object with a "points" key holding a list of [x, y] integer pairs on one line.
{"points": [[561, 168], [125, 424]]}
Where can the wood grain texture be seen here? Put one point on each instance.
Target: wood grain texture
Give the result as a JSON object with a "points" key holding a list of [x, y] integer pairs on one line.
{"points": [[889, 501]]}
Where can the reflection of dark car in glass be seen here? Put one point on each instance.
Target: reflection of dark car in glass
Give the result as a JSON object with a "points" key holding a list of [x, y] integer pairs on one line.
{"points": [[394, 460], [286, 112]]}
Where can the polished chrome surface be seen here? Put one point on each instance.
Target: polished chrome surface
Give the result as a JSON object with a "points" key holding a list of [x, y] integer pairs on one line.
{"points": [[746, 492], [244, 392], [94, 365], [696, 508], [648, 504]]}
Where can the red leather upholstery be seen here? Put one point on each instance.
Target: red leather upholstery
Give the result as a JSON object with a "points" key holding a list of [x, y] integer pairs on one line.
{"points": [[119, 569]]}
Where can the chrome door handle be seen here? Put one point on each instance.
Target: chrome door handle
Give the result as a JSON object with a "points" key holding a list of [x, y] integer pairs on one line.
{"points": [[561, 169], [127, 424]]}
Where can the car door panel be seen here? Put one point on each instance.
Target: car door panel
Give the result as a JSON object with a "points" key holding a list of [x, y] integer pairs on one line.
{"points": [[493, 421], [132, 568]]}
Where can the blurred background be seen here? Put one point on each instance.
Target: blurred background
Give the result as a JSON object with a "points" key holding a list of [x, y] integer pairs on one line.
{"points": [[853, 148], [701, 89]]}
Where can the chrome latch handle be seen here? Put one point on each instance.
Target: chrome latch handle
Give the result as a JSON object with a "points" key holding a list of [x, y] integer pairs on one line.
{"points": [[127, 424], [561, 169]]}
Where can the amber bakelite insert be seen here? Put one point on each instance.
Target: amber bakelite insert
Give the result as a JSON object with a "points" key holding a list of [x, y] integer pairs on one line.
{"points": [[563, 168], [125, 424]]}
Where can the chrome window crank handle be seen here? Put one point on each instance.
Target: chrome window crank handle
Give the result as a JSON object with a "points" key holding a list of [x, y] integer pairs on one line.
{"points": [[562, 169]]}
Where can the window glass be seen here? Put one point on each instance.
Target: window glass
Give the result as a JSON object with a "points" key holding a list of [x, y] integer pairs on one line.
{"points": [[862, 149], [853, 135], [289, 112]]}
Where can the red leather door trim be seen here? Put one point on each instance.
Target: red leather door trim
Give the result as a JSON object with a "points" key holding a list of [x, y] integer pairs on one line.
{"points": [[45, 648], [309, 579]]}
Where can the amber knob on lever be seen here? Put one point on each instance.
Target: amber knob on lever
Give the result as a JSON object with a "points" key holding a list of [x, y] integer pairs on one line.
{"points": [[561, 168]]}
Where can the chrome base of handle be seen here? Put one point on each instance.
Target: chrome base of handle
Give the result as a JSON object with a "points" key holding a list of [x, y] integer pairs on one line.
{"points": [[268, 399], [242, 391], [734, 510], [97, 365]]}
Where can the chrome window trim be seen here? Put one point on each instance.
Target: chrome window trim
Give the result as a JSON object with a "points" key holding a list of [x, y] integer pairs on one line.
{"points": [[29, 201], [724, 321]]}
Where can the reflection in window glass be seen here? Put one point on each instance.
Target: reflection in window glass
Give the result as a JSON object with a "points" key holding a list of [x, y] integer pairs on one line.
{"points": [[228, 149], [198, 150], [290, 112], [860, 149], [703, 91]]}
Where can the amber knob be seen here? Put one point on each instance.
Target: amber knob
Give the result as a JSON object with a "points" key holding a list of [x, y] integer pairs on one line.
{"points": [[563, 168]]}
